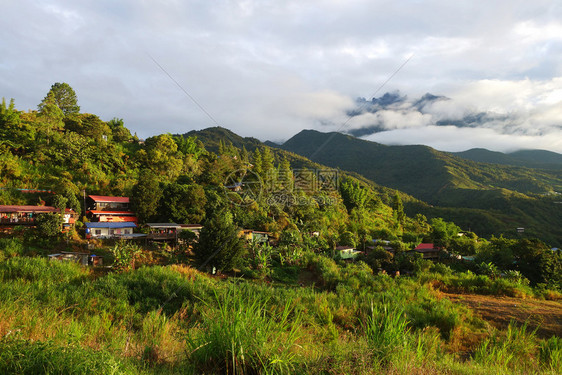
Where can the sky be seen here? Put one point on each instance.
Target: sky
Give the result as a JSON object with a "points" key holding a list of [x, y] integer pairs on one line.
{"points": [[268, 69]]}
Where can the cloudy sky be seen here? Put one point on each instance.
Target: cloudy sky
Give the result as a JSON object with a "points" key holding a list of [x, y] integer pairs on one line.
{"points": [[269, 68]]}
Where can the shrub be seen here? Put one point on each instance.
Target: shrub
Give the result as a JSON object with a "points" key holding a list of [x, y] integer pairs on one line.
{"points": [[10, 247]]}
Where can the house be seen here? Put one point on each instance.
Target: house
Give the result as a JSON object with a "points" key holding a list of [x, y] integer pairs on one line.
{"points": [[12, 215], [163, 231], [101, 208], [237, 186], [84, 259], [110, 230], [254, 235], [428, 250], [195, 228], [347, 252], [67, 256]]}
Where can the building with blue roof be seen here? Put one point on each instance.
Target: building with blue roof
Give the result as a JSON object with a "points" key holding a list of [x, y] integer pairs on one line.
{"points": [[109, 229]]}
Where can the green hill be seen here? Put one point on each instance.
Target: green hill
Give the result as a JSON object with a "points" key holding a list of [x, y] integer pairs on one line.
{"points": [[501, 196], [524, 158]]}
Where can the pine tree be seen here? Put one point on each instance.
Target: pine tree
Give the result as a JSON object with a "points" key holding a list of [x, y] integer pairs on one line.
{"points": [[219, 245]]}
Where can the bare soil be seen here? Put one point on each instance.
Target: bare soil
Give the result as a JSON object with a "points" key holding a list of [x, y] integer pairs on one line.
{"points": [[544, 316]]}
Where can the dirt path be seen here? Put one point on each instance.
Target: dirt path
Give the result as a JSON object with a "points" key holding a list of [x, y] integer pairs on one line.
{"points": [[499, 311]]}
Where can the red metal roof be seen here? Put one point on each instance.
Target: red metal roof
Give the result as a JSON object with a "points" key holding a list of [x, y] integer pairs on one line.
{"points": [[98, 212], [426, 247], [104, 198], [32, 209], [28, 209]]}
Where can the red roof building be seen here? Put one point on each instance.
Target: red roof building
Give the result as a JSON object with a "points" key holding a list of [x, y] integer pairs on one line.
{"points": [[428, 251], [12, 215], [102, 208]]}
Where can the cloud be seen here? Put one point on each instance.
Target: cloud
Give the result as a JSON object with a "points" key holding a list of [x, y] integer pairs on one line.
{"points": [[269, 69], [451, 138]]}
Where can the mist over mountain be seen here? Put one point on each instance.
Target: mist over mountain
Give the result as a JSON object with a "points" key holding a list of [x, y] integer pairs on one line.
{"points": [[451, 124]]}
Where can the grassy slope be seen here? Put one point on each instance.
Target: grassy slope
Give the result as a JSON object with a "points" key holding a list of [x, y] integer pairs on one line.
{"points": [[59, 318]]}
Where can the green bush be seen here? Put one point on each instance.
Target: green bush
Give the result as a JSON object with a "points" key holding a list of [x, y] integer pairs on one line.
{"points": [[10, 247]]}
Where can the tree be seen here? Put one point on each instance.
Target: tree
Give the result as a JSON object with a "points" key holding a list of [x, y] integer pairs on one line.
{"points": [[145, 196], [49, 225], [88, 125], [50, 115], [119, 131], [59, 202], [183, 203], [64, 98], [398, 208], [219, 245], [161, 156], [353, 195]]}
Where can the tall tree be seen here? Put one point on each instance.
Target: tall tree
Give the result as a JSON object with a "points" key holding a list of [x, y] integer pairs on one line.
{"points": [[219, 245], [64, 98], [50, 115], [398, 208], [146, 195], [183, 203]]}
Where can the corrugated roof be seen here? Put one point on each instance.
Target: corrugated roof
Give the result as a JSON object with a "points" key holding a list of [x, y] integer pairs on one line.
{"points": [[105, 198], [32, 209], [113, 225], [124, 213], [163, 225], [423, 247]]}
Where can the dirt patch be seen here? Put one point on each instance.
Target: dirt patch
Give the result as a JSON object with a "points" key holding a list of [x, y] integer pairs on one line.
{"points": [[545, 316]]}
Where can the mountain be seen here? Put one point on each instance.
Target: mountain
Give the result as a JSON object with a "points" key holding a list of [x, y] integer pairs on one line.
{"points": [[496, 195], [525, 158], [211, 138]]}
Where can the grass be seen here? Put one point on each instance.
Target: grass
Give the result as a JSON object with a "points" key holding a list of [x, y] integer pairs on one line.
{"points": [[59, 318]]}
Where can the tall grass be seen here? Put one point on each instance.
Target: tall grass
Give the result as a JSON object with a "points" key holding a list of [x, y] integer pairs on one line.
{"points": [[550, 354], [240, 335], [387, 332], [515, 349], [24, 357], [174, 319]]}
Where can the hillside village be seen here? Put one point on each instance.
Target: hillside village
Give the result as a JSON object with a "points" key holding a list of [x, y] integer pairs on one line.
{"points": [[111, 218], [212, 253]]}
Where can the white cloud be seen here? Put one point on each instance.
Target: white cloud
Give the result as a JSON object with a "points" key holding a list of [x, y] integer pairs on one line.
{"points": [[450, 138], [269, 69]]}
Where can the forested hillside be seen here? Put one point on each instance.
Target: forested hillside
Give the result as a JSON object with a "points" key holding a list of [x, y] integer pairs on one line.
{"points": [[494, 198]]}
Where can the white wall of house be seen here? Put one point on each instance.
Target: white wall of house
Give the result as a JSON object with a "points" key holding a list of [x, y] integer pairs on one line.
{"points": [[109, 232]]}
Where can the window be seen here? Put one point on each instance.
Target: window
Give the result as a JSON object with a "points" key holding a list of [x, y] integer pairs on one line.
{"points": [[97, 232]]}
